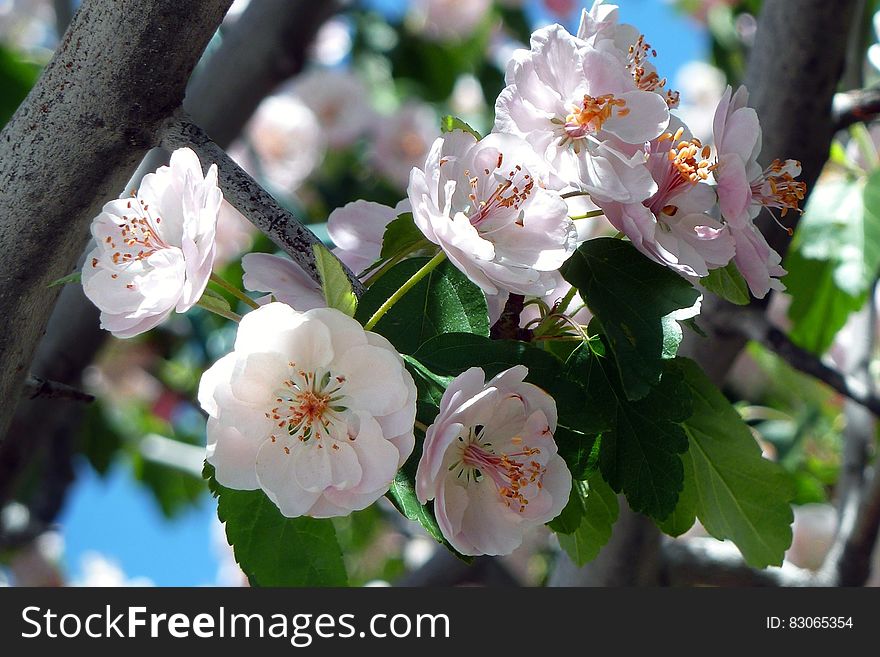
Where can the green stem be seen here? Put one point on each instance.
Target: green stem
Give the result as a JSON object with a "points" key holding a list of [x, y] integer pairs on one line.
{"points": [[234, 291], [563, 304], [421, 426], [406, 287], [575, 193], [588, 215], [226, 314]]}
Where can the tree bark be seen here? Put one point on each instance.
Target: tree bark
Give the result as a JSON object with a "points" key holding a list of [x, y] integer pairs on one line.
{"points": [[119, 73]]}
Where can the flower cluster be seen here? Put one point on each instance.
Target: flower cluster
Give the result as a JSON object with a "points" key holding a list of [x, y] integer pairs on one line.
{"points": [[318, 411]]}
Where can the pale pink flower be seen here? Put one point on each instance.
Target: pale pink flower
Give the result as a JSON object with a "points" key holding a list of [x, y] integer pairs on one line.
{"points": [[601, 28], [284, 143], [310, 408], [283, 279], [357, 229], [580, 109], [447, 20], [673, 226], [744, 188], [155, 251], [484, 203], [402, 141], [490, 462], [339, 100]]}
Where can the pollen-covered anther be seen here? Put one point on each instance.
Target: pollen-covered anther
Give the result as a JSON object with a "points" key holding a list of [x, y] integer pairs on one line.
{"points": [[777, 187], [591, 114], [690, 158]]}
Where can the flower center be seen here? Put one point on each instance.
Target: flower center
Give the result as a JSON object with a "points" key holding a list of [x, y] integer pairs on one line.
{"points": [[138, 236], [508, 191], [308, 405], [776, 187], [513, 473], [688, 164], [589, 117], [647, 80]]}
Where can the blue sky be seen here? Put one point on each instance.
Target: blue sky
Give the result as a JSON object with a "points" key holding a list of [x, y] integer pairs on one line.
{"points": [[118, 518]]}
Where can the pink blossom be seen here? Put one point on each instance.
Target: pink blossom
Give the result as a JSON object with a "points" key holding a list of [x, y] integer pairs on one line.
{"points": [[490, 462], [294, 410], [581, 110], [744, 188], [673, 226], [484, 203], [154, 251]]}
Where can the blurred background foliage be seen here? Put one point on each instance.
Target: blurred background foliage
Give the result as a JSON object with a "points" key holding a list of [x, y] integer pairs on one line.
{"points": [[368, 106]]}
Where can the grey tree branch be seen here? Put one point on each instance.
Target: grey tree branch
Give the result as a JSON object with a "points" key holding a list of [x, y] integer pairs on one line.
{"points": [[118, 74], [36, 387], [267, 46], [249, 198], [708, 562], [752, 324], [861, 105]]}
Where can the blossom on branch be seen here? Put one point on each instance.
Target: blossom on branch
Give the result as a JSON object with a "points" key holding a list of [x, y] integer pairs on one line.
{"points": [[155, 250], [581, 110], [484, 203], [490, 462], [296, 411], [744, 188]]}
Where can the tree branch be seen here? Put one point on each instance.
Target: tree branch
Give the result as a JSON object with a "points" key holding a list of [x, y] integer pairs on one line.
{"points": [[118, 74], [861, 105], [708, 562], [36, 387], [252, 200], [752, 324], [267, 46]]}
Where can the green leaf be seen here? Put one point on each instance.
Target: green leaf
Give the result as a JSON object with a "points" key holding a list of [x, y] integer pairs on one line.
{"points": [[728, 284], [75, 277], [600, 511], [403, 494], [273, 550], [213, 301], [634, 299], [819, 308], [735, 492], [834, 259], [449, 123], [639, 454], [334, 281], [444, 301], [401, 236]]}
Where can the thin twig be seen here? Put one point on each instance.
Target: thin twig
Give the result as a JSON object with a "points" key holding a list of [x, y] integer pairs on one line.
{"points": [[861, 105], [753, 325], [35, 387]]}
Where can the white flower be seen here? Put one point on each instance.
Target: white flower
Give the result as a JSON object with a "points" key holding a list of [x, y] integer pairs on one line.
{"points": [[673, 226], [284, 143], [339, 101], [490, 463], [357, 229], [402, 141], [483, 202], [448, 20], [282, 278], [581, 110], [310, 408], [154, 251]]}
